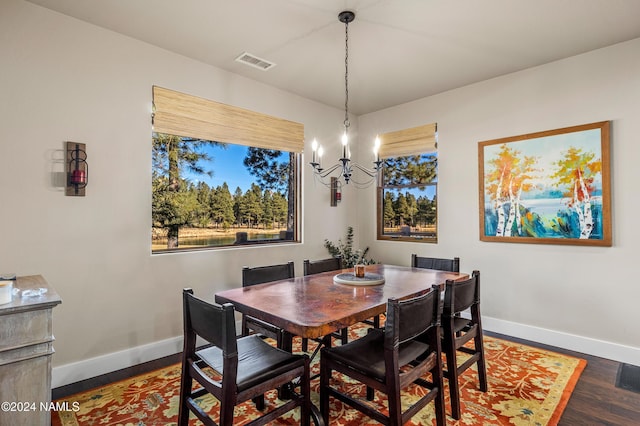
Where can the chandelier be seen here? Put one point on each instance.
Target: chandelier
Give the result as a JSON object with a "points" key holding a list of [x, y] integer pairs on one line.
{"points": [[344, 168]]}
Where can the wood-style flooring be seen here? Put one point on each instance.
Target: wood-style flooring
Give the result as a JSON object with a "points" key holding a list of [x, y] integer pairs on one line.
{"points": [[596, 401]]}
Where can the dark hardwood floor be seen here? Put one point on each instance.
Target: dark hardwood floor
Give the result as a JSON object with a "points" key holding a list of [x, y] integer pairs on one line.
{"points": [[596, 401]]}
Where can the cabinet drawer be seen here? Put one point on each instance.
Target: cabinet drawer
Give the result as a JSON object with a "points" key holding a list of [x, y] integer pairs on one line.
{"points": [[25, 328]]}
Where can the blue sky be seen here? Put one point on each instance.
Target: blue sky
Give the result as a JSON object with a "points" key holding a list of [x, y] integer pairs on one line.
{"points": [[429, 192], [226, 166]]}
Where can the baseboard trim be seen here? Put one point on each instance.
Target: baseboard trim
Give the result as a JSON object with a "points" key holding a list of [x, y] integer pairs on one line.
{"points": [[92, 367], [586, 345], [86, 369]]}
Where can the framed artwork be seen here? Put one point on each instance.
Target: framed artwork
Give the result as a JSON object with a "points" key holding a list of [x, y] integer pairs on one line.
{"points": [[551, 187]]}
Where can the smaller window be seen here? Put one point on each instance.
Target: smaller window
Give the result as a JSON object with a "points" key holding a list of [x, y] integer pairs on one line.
{"points": [[407, 190], [407, 199]]}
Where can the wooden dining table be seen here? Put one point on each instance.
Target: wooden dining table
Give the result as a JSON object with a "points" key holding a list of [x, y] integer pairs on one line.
{"points": [[314, 306]]}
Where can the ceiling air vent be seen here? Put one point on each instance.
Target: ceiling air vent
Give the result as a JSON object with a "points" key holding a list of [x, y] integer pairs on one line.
{"points": [[254, 61]]}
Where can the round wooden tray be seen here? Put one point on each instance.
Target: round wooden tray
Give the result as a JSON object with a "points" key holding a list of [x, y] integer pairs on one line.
{"points": [[349, 278]]}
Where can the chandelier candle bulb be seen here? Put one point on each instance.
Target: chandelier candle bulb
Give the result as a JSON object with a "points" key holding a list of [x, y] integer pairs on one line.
{"points": [[314, 148], [345, 146]]}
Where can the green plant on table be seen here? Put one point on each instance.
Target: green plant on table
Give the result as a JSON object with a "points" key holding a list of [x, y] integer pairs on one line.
{"points": [[344, 249]]}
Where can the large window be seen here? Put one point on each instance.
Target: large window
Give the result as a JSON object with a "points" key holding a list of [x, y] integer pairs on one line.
{"points": [[407, 191], [237, 189]]}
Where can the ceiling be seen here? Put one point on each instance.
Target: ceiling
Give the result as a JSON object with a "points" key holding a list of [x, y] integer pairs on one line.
{"points": [[399, 50]]}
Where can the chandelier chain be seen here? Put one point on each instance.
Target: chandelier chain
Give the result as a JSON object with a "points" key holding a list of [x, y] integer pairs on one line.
{"points": [[346, 76], [345, 167]]}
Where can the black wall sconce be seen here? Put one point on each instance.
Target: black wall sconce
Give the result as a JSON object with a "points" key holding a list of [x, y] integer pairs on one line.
{"points": [[77, 169]]}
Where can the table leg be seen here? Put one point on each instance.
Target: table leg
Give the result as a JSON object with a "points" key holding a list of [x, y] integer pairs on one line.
{"points": [[287, 341], [284, 392]]}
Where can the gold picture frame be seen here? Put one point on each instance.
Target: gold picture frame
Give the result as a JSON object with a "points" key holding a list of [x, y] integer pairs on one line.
{"points": [[550, 187]]}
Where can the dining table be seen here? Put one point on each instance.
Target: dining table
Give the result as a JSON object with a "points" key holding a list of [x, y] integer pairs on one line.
{"points": [[314, 306]]}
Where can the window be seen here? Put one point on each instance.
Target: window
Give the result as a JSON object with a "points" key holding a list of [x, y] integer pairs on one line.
{"points": [[407, 190], [221, 176]]}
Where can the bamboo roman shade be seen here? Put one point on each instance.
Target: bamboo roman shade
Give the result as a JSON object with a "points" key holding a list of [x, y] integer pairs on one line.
{"points": [[416, 140], [180, 114]]}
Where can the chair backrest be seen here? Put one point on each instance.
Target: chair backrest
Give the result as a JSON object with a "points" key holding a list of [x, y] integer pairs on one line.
{"points": [[410, 318], [451, 265], [265, 274], [461, 295], [213, 322], [317, 266]]}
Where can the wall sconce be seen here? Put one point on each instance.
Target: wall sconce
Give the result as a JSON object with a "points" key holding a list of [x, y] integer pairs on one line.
{"points": [[77, 169]]}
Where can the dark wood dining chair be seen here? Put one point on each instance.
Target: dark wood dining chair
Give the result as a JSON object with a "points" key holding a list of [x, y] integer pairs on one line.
{"points": [[245, 367], [260, 275], [311, 267], [390, 360], [456, 331], [451, 265]]}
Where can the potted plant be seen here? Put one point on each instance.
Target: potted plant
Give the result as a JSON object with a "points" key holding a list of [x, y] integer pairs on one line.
{"points": [[350, 257]]}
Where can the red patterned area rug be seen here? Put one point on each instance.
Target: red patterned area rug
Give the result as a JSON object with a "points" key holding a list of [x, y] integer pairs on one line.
{"points": [[527, 386]]}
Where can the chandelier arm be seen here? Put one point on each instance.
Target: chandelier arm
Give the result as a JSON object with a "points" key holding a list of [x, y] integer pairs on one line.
{"points": [[369, 172], [319, 178], [326, 172]]}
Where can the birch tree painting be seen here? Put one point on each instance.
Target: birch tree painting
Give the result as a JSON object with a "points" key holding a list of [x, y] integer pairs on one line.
{"points": [[548, 187]]}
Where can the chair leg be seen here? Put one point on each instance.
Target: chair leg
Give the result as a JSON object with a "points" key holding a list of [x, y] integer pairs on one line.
{"points": [[438, 380], [344, 336], [259, 402], [370, 393], [395, 406], [227, 404], [305, 388], [185, 390], [452, 372], [441, 413], [482, 367], [244, 328], [305, 344], [325, 376], [376, 321]]}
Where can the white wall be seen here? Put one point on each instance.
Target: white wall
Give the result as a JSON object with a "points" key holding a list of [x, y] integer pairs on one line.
{"points": [[65, 80], [582, 298]]}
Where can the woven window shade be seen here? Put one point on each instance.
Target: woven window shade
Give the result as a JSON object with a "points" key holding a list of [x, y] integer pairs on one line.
{"points": [[416, 140], [180, 114]]}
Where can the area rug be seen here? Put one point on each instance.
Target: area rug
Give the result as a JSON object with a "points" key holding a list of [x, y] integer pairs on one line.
{"points": [[527, 386]]}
